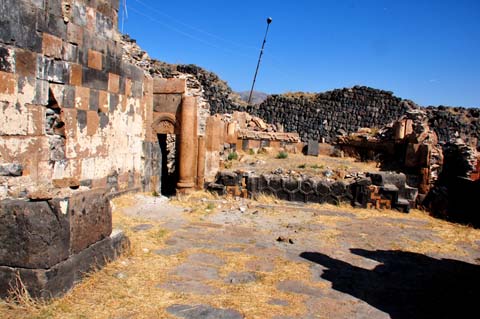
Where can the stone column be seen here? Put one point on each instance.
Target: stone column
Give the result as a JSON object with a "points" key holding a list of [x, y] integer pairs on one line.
{"points": [[187, 151], [201, 162]]}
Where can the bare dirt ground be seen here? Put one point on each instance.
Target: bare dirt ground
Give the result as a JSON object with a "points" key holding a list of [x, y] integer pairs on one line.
{"points": [[207, 257]]}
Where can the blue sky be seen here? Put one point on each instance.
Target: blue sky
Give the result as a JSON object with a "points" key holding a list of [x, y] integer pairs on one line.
{"points": [[426, 51]]}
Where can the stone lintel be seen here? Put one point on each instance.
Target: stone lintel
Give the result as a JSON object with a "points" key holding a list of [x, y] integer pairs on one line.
{"points": [[167, 86]]}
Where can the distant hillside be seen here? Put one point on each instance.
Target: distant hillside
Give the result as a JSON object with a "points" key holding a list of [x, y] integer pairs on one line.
{"points": [[257, 97]]}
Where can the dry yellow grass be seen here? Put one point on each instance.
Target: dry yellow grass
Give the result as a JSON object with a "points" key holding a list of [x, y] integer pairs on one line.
{"points": [[127, 286]]}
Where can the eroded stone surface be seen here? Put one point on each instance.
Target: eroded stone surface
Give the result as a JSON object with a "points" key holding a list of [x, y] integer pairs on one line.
{"points": [[298, 287], [189, 287], [142, 227], [205, 259], [241, 278], [195, 272], [203, 312]]}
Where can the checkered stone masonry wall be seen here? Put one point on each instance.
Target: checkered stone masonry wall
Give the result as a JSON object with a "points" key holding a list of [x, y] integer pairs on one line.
{"points": [[74, 122], [72, 112]]}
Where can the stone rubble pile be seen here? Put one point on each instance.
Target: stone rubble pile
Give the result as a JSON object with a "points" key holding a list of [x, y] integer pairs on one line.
{"points": [[250, 127]]}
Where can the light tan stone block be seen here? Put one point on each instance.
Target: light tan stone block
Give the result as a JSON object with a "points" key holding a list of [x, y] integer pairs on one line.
{"points": [[92, 122], [113, 82], [76, 74], [82, 97], [7, 83], [103, 101], [52, 46], [95, 60]]}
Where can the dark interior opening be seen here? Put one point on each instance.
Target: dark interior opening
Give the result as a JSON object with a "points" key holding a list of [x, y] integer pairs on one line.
{"points": [[168, 173]]}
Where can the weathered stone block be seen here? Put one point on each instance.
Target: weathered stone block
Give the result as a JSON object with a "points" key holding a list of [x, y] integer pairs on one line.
{"points": [[65, 182], [167, 86], [53, 71], [167, 103], [32, 234], [7, 60], [94, 99], [70, 52], [313, 148], [11, 169], [91, 219], [95, 60], [25, 63], [76, 74], [41, 92], [113, 83], [74, 34], [82, 119], [79, 14], [323, 189], [7, 83], [137, 89], [91, 17], [57, 280], [113, 102], [52, 46], [103, 101], [95, 79], [82, 97], [68, 96], [93, 122]]}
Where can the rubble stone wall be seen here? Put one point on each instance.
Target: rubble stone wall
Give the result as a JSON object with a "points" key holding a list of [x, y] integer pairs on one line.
{"points": [[451, 123], [329, 114], [72, 113]]}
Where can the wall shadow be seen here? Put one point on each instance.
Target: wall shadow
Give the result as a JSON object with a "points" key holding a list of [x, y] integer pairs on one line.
{"points": [[407, 285]]}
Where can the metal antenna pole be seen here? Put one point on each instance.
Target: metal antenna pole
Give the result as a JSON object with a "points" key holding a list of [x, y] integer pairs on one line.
{"points": [[269, 20]]}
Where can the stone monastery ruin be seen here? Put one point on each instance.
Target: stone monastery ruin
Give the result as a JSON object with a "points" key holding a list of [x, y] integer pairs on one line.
{"points": [[86, 115]]}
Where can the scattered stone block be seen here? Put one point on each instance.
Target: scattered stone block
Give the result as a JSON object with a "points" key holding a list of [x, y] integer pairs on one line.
{"points": [[313, 148]]}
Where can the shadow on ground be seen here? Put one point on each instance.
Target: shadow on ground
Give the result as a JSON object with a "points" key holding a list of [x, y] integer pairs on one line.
{"points": [[405, 284]]}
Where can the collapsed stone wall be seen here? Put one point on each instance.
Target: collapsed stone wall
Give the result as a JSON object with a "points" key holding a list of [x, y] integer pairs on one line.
{"points": [[451, 123], [337, 112]]}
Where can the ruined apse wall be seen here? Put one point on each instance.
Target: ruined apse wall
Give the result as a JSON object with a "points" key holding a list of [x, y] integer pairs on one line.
{"points": [[72, 113]]}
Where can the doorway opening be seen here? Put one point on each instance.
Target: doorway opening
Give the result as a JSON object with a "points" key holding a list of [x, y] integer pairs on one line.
{"points": [[168, 164]]}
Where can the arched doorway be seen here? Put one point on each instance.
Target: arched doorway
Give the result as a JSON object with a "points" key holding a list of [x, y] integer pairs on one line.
{"points": [[165, 127]]}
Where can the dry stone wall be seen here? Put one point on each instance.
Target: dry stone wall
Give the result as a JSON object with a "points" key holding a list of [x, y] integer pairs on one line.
{"points": [[451, 123], [332, 113]]}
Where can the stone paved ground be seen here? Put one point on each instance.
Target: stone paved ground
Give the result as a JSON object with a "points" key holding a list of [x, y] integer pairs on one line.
{"points": [[214, 258]]}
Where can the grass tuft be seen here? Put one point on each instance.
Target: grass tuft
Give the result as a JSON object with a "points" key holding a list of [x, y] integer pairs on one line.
{"points": [[282, 155]]}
